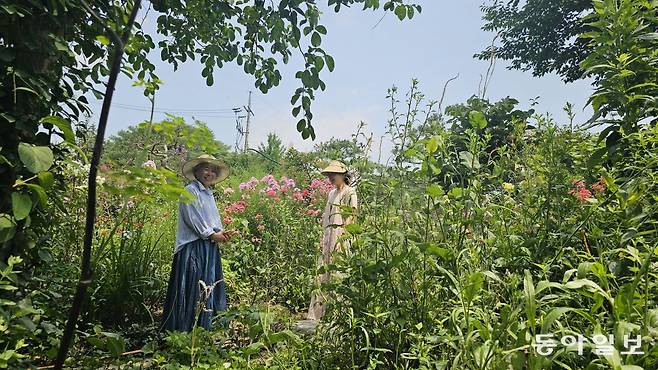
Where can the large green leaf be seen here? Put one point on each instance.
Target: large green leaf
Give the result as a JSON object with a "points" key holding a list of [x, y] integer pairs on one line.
{"points": [[477, 120], [7, 227], [63, 125], [39, 192], [35, 158], [552, 317], [435, 190], [469, 160], [401, 11], [46, 179], [21, 204], [474, 285], [432, 145]]}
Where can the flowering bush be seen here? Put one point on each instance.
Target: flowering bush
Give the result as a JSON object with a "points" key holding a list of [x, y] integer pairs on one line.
{"points": [[277, 252]]}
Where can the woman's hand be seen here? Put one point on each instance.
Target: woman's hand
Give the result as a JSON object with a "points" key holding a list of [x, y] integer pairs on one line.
{"points": [[219, 237]]}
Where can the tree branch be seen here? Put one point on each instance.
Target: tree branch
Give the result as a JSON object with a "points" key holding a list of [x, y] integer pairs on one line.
{"points": [[86, 274]]}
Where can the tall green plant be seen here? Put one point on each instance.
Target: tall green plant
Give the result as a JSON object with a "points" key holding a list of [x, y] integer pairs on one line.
{"points": [[624, 64]]}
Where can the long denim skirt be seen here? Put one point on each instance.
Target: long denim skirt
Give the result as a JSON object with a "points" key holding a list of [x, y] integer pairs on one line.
{"points": [[197, 260]]}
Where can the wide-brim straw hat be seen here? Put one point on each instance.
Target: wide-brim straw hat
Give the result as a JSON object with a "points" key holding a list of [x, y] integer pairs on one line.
{"points": [[334, 167], [222, 169]]}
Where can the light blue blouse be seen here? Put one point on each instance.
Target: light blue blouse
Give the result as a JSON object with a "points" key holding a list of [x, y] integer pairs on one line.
{"points": [[198, 219]]}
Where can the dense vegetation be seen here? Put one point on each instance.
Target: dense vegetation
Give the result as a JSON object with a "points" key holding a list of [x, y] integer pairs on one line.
{"points": [[490, 225]]}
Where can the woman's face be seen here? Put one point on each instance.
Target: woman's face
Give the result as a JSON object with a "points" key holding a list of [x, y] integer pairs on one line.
{"points": [[336, 179], [207, 174]]}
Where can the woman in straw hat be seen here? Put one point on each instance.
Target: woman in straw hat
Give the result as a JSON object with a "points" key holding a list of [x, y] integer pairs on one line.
{"points": [[197, 267], [332, 224]]}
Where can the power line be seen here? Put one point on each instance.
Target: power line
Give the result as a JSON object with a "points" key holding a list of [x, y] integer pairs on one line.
{"points": [[221, 110], [199, 114], [220, 113]]}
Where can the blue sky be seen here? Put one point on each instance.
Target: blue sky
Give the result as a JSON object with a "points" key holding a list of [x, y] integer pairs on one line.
{"points": [[433, 47]]}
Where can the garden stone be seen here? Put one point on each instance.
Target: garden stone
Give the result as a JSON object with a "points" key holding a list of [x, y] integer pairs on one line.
{"points": [[305, 326]]}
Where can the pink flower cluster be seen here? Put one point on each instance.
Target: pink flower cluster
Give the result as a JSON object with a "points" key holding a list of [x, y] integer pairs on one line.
{"points": [[286, 184], [322, 185], [249, 185], [301, 194], [581, 192], [273, 188], [313, 212], [237, 207], [270, 180]]}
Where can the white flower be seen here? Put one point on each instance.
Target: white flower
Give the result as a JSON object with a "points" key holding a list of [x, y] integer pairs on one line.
{"points": [[149, 164]]}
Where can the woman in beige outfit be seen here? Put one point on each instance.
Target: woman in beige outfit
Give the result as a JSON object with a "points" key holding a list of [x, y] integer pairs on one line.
{"points": [[332, 226]]}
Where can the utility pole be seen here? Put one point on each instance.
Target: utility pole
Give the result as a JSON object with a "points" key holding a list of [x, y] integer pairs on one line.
{"points": [[246, 131], [238, 128]]}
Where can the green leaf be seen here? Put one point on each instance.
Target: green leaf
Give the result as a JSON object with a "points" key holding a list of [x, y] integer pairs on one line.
{"points": [[552, 316], [285, 335], [45, 255], [475, 282], [26, 323], [39, 192], [433, 249], [63, 125], [26, 89], [319, 63], [21, 205], [116, 345], [46, 179], [529, 295], [315, 39], [477, 120], [468, 160], [35, 158], [435, 190], [354, 229], [330, 62], [301, 125], [295, 110], [581, 283], [7, 227], [8, 117], [401, 11], [432, 145]]}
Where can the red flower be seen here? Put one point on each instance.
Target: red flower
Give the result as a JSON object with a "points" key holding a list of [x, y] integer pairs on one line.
{"points": [[579, 184], [238, 207], [581, 194], [599, 186], [580, 191]]}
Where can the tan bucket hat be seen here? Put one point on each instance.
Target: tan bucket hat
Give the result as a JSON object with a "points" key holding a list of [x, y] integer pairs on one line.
{"points": [[223, 170], [334, 167]]}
